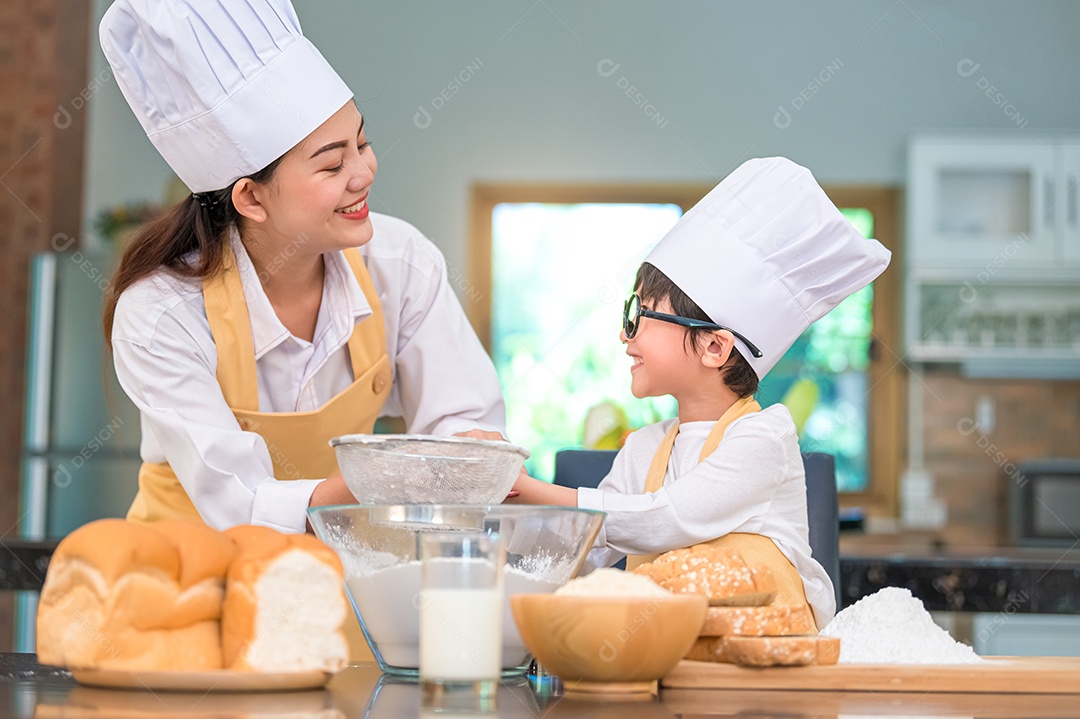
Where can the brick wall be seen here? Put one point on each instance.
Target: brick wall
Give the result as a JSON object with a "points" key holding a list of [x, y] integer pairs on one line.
{"points": [[971, 468], [43, 67]]}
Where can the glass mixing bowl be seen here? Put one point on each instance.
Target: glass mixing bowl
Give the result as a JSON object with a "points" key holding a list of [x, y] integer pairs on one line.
{"points": [[379, 546]]}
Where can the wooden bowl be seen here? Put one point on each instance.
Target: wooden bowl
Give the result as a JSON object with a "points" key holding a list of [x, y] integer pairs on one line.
{"points": [[607, 644]]}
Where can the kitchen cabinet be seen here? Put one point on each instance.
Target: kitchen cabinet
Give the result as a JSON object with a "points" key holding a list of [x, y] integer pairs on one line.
{"points": [[952, 319], [1070, 206], [992, 275], [972, 199]]}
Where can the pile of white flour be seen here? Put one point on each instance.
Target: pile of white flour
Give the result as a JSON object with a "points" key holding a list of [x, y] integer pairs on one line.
{"points": [[892, 627]]}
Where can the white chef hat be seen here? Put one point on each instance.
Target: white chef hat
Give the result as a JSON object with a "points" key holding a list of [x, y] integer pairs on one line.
{"points": [[221, 88], [766, 253]]}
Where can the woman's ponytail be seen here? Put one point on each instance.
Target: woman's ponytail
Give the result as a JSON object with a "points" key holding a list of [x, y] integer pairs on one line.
{"points": [[188, 241]]}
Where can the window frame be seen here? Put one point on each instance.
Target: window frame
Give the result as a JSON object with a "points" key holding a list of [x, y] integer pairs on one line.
{"points": [[887, 405]]}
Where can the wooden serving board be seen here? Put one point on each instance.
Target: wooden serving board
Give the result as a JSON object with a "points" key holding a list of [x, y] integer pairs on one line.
{"points": [[1000, 675]]}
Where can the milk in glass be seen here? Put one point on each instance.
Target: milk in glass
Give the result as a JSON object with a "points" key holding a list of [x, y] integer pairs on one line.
{"points": [[461, 603], [461, 634]]}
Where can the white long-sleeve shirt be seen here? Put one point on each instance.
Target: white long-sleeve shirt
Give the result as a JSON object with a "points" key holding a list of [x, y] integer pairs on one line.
{"points": [[166, 359], [754, 482]]}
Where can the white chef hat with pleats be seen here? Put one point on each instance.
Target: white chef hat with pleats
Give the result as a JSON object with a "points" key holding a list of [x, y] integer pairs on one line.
{"points": [[222, 89], [766, 253]]}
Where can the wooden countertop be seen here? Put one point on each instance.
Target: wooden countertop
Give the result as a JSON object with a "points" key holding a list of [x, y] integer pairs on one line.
{"points": [[29, 690]]}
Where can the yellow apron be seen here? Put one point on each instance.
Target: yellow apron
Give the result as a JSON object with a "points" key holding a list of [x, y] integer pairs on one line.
{"points": [[297, 441], [756, 549]]}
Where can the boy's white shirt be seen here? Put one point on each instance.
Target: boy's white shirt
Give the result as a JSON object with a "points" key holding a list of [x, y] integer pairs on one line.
{"points": [[754, 482]]}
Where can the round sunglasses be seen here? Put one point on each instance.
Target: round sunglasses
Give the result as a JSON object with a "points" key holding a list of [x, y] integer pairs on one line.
{"points": [[633, 312]]}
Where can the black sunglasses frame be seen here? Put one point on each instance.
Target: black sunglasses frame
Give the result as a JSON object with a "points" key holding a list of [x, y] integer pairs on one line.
{"points": [[631, 328]]}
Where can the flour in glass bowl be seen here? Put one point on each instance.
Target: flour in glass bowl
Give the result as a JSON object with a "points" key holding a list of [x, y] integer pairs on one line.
{"points": [[388, 600], [892, 627]]}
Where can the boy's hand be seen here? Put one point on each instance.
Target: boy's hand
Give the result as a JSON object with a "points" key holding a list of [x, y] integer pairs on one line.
{"points": [[534, 491]]}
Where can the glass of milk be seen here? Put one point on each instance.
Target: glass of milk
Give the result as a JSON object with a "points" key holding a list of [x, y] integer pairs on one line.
{"points": [[461, 603]]}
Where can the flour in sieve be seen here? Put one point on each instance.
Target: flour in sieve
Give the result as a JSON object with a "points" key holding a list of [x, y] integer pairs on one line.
{"points": [[892, 627]]}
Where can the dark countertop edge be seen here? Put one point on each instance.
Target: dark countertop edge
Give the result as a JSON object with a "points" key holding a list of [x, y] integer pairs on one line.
{"points": [[23, 563], [1066, 560]]}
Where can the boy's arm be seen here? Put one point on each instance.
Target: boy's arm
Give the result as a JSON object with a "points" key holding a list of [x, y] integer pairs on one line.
{"points": [[535, 491]]}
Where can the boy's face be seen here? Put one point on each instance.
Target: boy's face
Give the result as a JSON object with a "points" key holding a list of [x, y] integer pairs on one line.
{"points": [[662, 364]]}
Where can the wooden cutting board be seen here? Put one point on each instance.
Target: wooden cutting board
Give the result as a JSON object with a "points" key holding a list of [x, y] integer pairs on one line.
{"points": [[1008, 675]]}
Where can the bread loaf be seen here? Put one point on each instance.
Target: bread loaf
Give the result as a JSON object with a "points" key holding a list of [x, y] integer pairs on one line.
{"points": [[205, 556], [789, 651], [284, 604], [772, 620], [126, 596], [721, 575], [108, 598]]}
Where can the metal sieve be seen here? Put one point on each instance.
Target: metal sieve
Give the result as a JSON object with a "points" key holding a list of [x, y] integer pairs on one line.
{"points": [[421, 469]]}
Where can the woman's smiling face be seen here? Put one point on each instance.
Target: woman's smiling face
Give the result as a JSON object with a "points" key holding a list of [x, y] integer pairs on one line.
{"points": [[319, 194]]}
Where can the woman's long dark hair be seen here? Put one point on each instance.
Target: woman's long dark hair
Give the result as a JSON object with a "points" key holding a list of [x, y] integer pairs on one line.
{"points": [[197, 224]]}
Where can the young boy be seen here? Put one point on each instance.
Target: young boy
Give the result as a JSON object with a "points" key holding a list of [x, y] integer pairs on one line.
{"points": [[716, 304]]}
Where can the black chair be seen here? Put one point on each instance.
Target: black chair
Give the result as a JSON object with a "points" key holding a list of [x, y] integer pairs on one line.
{"points": [[586, 467], [823, 514]]}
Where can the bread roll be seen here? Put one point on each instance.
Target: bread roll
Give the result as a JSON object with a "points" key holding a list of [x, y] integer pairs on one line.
{"points": [[772, 620], [284, 604], [721, 575], [205, 556], [789, 651], [106, 579], [194, 648]]}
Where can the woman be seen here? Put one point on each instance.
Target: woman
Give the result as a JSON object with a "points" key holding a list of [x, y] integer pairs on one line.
{"points": [[245, 324]]}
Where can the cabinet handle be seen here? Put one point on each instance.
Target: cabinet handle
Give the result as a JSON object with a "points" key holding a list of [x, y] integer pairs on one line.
{"points": [[1048, 211], [1073, 181]]}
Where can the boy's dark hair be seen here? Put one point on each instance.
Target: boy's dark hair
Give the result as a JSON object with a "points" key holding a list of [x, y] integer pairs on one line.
{"points": [[653, 286]]}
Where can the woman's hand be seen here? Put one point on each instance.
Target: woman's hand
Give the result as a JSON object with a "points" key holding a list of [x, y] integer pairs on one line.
{"points": [[527, 490], [331, 490], [481, 434]]}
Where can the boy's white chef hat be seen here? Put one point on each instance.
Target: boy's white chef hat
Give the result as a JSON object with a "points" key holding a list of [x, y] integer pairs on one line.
{"points": [[766, 253], [222, 88]]}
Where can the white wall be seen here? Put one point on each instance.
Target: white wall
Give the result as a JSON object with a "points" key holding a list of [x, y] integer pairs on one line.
{"points": [[713, 75]]}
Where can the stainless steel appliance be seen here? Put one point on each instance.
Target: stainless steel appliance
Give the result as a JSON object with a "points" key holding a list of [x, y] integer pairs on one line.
{"points": [[1045, 503]]}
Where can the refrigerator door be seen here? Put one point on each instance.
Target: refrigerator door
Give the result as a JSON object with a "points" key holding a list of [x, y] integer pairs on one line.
{"points": [[81, 438], [80, 455]]}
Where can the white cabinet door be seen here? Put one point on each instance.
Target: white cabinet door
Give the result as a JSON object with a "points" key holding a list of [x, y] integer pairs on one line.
{"points": [[981, 203], [1069, 201]]}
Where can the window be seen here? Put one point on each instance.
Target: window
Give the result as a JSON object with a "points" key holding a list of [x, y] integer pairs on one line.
{"points": [[557, 264], [560, 274]]}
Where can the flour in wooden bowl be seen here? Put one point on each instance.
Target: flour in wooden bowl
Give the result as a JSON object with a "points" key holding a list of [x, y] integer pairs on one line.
{"points": [[613, 583]]}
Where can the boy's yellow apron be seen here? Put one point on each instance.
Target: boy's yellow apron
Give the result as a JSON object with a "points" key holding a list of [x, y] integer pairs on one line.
{"points": [[297, 441], [756, 549]]}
